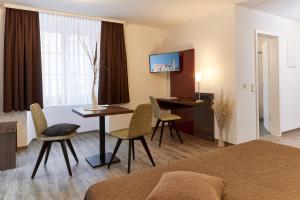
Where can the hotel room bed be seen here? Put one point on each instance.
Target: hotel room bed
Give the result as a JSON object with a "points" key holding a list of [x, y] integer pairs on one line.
{"points": [[253, 170]]}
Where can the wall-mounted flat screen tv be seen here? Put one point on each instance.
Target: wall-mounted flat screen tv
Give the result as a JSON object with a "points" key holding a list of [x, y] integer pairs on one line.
{"points": [[166, 62]]}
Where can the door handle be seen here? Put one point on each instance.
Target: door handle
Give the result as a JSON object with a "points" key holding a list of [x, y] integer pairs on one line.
{"points": [[253, 88]]}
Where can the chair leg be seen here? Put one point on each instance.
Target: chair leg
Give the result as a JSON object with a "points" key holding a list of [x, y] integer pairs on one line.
{"points": [[170, 128], [161, 133], [156, 126], [129, 156], [64, 149], [115, 152], [69, 143], [41, 154], [177, 133], [47, 152], [133, 152], [147, 149]]}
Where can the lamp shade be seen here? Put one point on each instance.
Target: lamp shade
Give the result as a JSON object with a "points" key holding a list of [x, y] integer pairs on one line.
{"points": [[198, 76]]}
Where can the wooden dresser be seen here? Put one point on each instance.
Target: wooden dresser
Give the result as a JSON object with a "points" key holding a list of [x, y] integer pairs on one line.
{"points": [[8, 145], [197, 117]]}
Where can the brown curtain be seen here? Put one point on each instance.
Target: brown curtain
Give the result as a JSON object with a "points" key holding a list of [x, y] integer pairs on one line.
{"points": [[113, 78], [22, 60]]}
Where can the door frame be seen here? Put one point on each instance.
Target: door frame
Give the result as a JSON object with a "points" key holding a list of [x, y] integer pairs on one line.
{"points": [[257, 32]]}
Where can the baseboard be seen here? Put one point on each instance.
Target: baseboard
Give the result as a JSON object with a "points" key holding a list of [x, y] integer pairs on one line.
{"points": [[87, 132], [227, 144], [293, 130], [22, 148]]}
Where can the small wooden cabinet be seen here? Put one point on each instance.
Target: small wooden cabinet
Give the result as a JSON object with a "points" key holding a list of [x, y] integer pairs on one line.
{"points": [[197, 118], [8, 145]]}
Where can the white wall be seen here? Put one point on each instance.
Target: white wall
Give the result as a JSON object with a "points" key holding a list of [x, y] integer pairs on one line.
{"points": [[213, 38], [247, 20]]}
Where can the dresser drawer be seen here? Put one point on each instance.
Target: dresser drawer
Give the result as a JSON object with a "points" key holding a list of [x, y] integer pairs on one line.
{"points": [[8, 145]]}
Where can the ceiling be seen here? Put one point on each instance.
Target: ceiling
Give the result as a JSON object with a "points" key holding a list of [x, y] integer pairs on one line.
{"points": [[157, 13], [284, 8]]}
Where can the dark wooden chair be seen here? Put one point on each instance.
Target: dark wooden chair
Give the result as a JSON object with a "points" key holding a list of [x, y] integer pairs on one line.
{"points": [[40, 124], [139, 126]]}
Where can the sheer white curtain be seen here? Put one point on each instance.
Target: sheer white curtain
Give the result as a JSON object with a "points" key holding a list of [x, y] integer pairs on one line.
{"points": [[67, 73]]}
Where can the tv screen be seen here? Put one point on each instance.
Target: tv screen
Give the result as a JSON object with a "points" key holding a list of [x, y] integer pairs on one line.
{"points": [[166, 62]]}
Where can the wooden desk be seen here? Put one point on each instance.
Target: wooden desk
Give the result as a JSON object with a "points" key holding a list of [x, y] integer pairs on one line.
{"points": [[102, 158], [197, 116], [184, 102]]}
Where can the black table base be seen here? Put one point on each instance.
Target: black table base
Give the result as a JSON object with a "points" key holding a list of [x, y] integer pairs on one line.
{"points": [[103, 157], [95, 161]]}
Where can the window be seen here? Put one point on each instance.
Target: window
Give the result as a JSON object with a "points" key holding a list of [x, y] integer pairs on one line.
{"points": [[67, 73]]}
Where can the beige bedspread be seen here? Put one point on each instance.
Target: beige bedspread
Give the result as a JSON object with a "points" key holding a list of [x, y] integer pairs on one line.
{"points": [[254, 170]]}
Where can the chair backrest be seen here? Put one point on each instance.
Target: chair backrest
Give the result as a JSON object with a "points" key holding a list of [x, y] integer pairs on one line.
{"points": [[155, 107], [141, 121], [38, 118]]}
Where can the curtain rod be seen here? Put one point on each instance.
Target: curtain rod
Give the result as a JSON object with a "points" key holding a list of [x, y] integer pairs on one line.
{"points": [[20, 7]]}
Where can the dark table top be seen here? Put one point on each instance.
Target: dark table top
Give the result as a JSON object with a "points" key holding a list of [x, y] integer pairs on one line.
{"points": [[8, 127], [110, 110], [182, 101]]}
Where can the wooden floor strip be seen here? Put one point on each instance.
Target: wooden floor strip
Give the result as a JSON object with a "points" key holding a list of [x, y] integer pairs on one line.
{"points": [[291, 138]]}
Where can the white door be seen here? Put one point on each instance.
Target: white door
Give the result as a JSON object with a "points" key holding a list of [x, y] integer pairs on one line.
{"points": [[266, 106], [274, 87]]}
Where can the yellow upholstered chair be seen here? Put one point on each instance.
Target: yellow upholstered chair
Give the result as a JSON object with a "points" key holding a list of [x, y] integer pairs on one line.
{"points": [[164, 118], [40, 124], [140, 125]]}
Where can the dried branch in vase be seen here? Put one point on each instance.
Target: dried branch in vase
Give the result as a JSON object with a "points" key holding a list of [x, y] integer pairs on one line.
{"points": [[94, 60], [222, 109]]}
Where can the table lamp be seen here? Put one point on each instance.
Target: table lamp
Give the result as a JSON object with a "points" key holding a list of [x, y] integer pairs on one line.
{"points": [[198, 77]]}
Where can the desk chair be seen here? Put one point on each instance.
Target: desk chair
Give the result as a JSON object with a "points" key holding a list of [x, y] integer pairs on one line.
{"points": [[140, 125], [40, 124], [169, 118]]}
